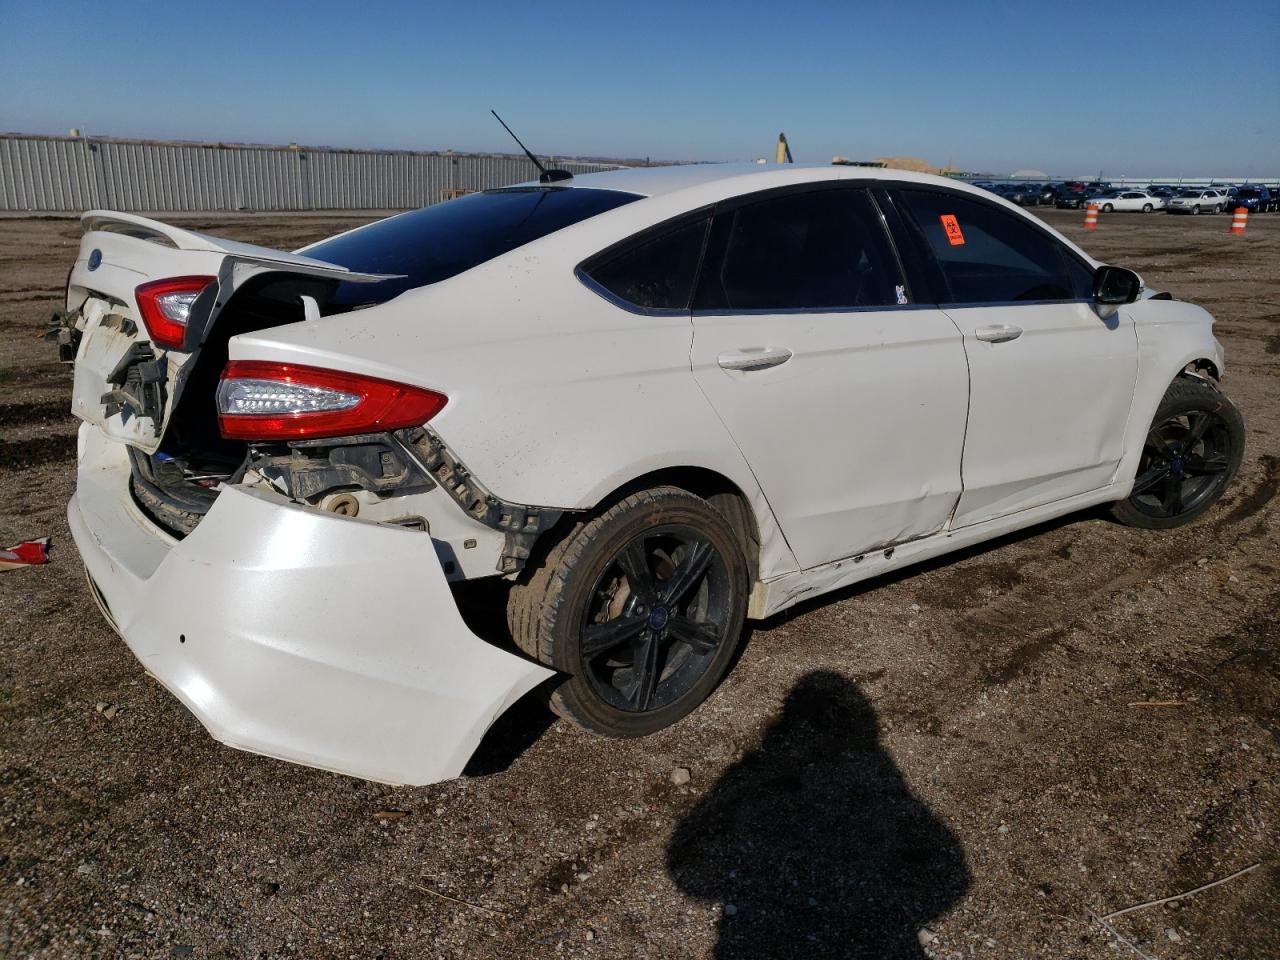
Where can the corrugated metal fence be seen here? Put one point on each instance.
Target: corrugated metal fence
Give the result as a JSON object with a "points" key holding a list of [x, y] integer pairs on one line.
{"points": [[83, 173]]}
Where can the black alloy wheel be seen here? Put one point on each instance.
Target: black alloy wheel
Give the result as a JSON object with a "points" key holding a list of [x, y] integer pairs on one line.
{"points": [[1184, 461], [655, 619], [639, 609], [1190, 454]]}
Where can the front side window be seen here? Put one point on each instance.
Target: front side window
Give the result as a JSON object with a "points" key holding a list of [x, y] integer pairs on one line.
{"points": [[820, 250], [656, 270], [989, 255]]}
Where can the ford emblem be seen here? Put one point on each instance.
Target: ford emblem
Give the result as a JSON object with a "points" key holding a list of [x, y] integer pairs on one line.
{"points": [[95, 259]]}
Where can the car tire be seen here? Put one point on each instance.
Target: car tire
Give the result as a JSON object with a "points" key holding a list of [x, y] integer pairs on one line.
{"points": [[1191, 454], [1107, 208], [604, 580], [1147, 208], [1195, 211]]}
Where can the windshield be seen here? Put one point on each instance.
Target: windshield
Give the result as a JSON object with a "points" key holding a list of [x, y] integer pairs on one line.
{"points": [[1248, 194], [443, 240], [1189, 193]]}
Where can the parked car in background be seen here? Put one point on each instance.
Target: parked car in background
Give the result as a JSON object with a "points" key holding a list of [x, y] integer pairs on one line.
{"points": [[1070, 200], [1045, 193], [1197, 200], [1132, 201], [650, 403], [1022, 194], [1257, 199]]}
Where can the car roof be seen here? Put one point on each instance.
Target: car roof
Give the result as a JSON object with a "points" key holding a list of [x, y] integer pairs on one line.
{"points": [[656, 181]]}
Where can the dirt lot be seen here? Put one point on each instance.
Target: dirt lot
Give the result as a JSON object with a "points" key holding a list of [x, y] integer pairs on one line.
{"points": [[963, 750]]}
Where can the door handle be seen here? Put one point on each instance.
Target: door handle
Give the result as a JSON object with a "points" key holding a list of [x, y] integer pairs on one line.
{"points": [[749, 360], [1000, 333]]}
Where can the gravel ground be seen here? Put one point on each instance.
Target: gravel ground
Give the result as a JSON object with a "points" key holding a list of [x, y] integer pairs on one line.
{"points": [[954, 762]]}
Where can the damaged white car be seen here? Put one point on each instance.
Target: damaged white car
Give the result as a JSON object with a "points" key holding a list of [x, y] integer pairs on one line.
{"points": [[655, 402]]}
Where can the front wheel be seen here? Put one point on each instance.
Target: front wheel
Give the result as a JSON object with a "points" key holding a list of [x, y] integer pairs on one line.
{"points": [[1195, 210], [1147, 208], [1107, 208], [1190, 455], [640, 610]]}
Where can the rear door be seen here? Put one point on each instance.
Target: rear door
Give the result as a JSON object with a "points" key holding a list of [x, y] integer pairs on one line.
{"points": [[1051, 380], [846, 397]]}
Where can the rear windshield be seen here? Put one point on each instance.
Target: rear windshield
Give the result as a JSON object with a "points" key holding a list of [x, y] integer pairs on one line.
{"points": [[1248, 194], [441, 241]]}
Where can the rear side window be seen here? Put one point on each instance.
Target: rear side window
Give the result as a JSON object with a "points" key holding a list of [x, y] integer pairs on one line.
{"points": [[441, 241], [989, 255], [824, 249], [656, 270]]}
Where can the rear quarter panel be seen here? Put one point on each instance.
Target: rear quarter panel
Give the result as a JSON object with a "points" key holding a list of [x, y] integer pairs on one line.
{"points": [[556, 396]]}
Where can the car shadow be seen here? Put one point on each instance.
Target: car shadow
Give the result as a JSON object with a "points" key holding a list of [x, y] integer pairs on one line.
{"points": [[814, 844]]}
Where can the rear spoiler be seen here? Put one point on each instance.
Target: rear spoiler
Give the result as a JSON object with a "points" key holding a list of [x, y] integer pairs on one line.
{"points": [[144, 228]]}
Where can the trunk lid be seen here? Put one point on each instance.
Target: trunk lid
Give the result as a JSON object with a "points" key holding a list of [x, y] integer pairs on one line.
{"points": [[123, 382]]}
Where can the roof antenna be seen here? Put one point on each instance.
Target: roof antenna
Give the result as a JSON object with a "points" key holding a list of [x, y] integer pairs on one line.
{"points": [[544, 175]]}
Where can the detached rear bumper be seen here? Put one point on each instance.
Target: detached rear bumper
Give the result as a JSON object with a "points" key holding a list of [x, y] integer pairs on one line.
{"points": [[325, 641]]}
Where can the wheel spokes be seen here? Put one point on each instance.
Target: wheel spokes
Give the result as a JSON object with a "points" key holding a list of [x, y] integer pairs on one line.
{"points": [[635, 564], [644, 672], [697, 558], [1171, 501], [1199, 466], [701, 635], [1199, 424], [1159, 444], [1149, 479], [598, 638]]}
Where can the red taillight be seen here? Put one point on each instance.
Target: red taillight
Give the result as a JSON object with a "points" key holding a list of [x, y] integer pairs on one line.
{"points": [[166, 305], [262, 400]]}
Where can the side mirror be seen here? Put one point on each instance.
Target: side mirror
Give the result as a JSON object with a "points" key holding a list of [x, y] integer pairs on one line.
{"points": [[1113, 286]]}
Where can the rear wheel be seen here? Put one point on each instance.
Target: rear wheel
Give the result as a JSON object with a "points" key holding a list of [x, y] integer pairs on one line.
{"points": [[640, 609], [1191, 454]]}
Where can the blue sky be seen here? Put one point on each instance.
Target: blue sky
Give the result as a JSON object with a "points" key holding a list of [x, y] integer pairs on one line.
{"points": [[1158, 89]]}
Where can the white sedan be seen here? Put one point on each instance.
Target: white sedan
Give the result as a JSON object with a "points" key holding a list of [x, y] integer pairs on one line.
{"points": [[1136, 201], [651, 403]]}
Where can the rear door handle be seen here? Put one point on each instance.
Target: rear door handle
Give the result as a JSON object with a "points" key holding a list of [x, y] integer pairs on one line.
{"points": [[749, 360], [1000, 333]]}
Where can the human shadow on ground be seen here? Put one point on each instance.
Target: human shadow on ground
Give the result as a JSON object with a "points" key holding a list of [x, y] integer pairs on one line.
{"points": [[815, 844]]}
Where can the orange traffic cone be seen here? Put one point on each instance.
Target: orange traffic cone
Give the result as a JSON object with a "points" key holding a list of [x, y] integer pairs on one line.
{"points": [[1239, 220], [1091, 217]]}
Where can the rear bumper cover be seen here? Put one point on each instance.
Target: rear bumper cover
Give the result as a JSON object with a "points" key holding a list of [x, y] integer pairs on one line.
{"points": [[321, 640]]}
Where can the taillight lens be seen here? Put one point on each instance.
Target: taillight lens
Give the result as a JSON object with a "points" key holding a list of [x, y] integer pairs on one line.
{"points": [[166, 306], [262, 400]]}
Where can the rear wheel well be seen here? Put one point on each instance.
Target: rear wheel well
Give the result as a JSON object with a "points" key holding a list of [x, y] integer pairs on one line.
{"points": [[717, 489]]}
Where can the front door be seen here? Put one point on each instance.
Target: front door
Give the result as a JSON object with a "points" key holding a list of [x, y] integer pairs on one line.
{"points": [[1051, 379]]}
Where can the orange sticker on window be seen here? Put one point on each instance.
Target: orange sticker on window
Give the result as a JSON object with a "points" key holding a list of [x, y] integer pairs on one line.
{"points": [[952, 226]]}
